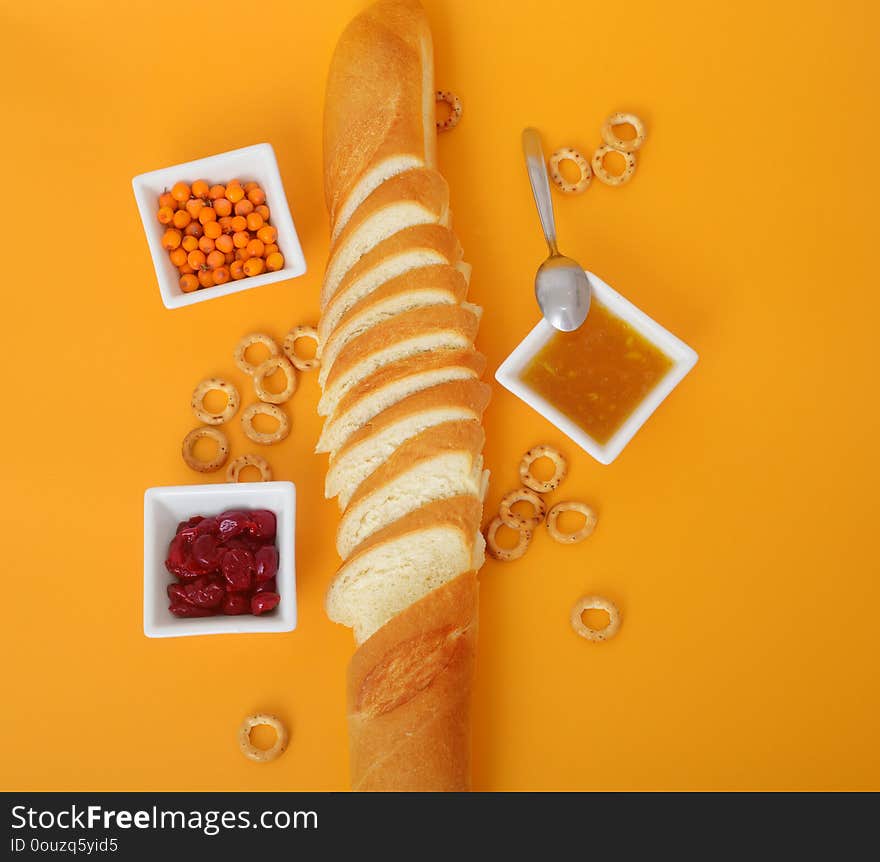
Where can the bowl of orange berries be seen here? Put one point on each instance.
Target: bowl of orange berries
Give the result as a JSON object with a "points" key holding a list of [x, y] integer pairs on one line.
{"points": [[218, 225]]}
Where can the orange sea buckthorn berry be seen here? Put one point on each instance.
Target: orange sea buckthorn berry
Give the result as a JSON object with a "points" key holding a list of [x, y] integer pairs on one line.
{"points": [[200, 188], [196, 259], [250, 186], [256, 196], [178, 256], [267, 233], [194, 206], [165, 215], [207, 214], [213, 230], [171, 239], [224, 243], [234, 193], [274, 261], [236, 269], [263, 210], [255, 248], [215, 259], [206, 278], [239, 223], [217, 192], [269, 248], [194, 228], [243, 207], [166, 199], [206, 244], [225, 223], [223, 207], [186, 269], [228, 257], [180, 192], [253, 266], [181, 219], [254, 221], [221, 275], [190, 243], [242, 254], [189, 283], [241, 238]]}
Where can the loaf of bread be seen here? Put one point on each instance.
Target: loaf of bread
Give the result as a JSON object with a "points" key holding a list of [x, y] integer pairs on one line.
{"points": [[403, 406]]}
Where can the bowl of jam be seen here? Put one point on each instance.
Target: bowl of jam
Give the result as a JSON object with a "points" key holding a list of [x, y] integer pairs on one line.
{"points": [[600, 383]]}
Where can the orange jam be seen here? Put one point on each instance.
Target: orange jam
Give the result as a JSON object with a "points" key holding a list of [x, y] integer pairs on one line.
{"points": [[598, 374]]}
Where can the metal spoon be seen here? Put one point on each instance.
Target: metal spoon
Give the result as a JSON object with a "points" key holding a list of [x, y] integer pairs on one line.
{"points": [[561, 285]]}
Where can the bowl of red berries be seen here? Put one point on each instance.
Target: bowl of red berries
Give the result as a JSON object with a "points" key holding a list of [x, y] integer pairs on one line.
{"points": [[219, 559]]}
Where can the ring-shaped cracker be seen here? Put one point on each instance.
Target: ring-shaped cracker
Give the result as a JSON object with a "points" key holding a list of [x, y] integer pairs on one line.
{"points": [[619, 144], [525, 469], [289, 347], [601, 171], [506, 555], [571, 155], [249, 750], [454, 110], [233, 471], [210, 385], [516, 522], [193, 437], [590, 521], [245, 343], [585, 603], [270, 366], [251, 433]]}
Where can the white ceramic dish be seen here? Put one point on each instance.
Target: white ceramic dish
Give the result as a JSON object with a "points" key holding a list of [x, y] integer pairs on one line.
{"points": [[165, 508], [257, 164], [682, 356]]}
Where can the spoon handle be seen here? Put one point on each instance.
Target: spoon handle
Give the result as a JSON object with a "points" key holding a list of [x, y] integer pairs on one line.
{"points": [[537, 168]]}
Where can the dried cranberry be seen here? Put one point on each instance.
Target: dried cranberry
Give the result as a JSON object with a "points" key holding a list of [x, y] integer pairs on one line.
{"points": [[231, 523], [235, 604], [267, 587], [264, 602], [176, 593], [188, 525], [266, 560], [261, 524], [238, 569], [205, 592], [178, 560], [206, 552], [181, 610]]}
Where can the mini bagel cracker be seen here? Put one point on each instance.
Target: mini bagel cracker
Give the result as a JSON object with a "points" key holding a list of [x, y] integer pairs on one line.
{"points": [[619, 144], [249, 750], [516, 522], [233, 471], [571, 155], [247, 418], [525, 469], [601, 171], [454, 110], [213, 384], [289, 347], [269, 367], [585, 603], [241, 348], [506, 555], [197, 434], [590, 521]]}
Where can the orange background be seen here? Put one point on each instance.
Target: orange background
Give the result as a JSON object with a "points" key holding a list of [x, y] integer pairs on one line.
{"points": [[737, 531]]}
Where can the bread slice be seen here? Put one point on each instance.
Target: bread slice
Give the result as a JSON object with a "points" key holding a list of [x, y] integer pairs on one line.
{"points": [[379, 115], [404, 561], [422, 330], [393, 383], [419, 196], [374, 443], [441, 462], [428, 285]]}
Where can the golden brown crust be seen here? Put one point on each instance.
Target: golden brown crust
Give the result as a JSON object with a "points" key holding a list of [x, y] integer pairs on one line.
{"points": [[409, 695]]}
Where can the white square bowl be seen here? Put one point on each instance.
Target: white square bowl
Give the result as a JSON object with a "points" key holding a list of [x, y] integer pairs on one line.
{"points": [[165, 508], [257, 164], [683, 360]]}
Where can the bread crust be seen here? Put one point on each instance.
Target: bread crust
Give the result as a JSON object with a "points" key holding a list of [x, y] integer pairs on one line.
{"points": [[409, 695]]}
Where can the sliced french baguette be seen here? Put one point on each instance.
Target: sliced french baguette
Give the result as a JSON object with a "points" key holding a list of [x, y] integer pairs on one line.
{"points": [[443, 461], [379, 116], [428, 285], [368, 448], [409, 694], [419, 196], [399, 564], [422, 330], [392, 383]]}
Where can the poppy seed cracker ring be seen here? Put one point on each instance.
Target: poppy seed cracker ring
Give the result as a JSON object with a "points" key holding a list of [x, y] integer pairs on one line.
{"points": [[249, 750], [233, 471], [587, 603], [516, 522], [506, 555], [525, 469], [215, 384], [247, 419], [619, 144], [189, 443], [571, 155], [590, 521], [454, 110], [241, 348], [289, 347], [269, 367], [601, 171]]}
